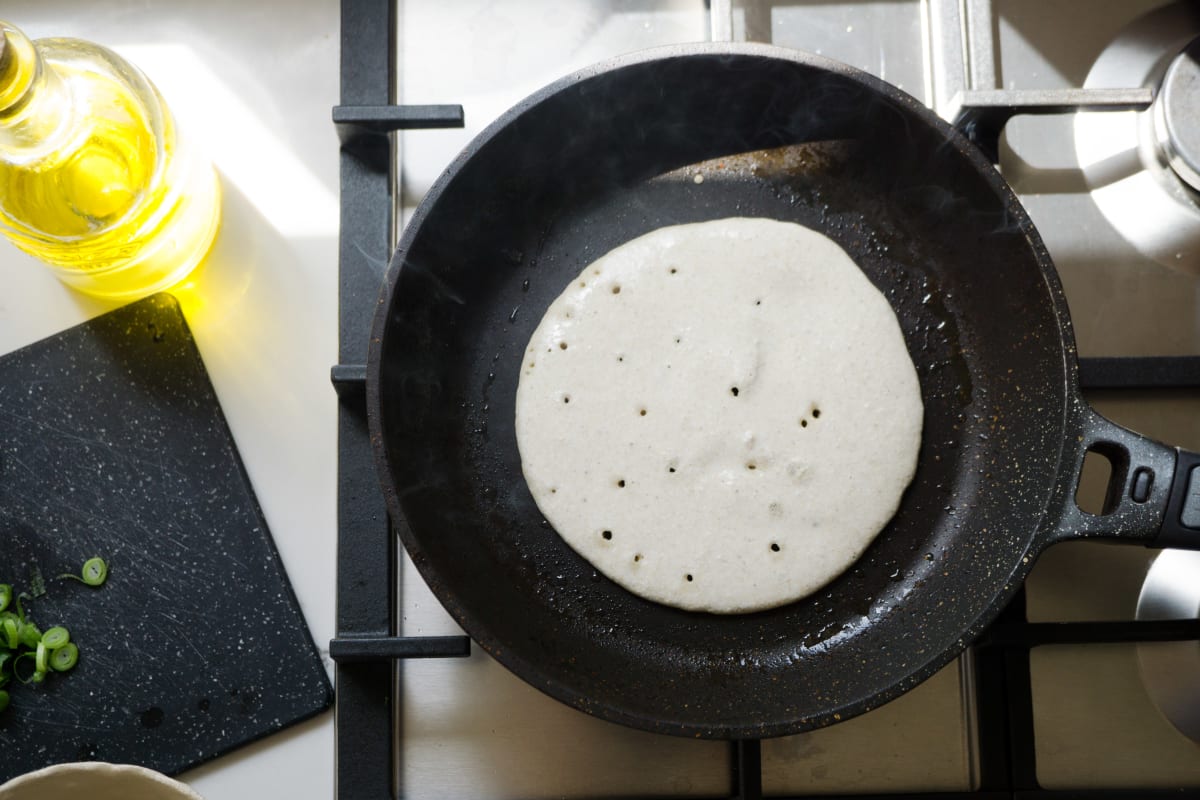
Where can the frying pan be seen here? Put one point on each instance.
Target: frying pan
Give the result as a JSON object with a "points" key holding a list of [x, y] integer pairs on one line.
{"points": [[610, 153]]}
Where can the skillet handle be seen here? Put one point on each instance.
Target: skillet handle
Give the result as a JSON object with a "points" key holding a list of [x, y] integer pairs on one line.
{"points": [[1151, 496], [1181, 525]]}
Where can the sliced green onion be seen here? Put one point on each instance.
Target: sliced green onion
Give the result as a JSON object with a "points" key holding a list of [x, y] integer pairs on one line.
{"points": [[21, 640], [56, 637], [94, 572], [41, 660], [30, 636], [12, 630], [37, 584], [17, 663], [38, 675], [64, 658]]}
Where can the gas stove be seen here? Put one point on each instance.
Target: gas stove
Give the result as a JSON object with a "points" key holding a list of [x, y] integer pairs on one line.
{"points": [[1086, 683], [1088, 109]]}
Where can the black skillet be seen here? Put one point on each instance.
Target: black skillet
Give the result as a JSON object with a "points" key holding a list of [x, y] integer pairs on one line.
{"points": [[587, 164]]}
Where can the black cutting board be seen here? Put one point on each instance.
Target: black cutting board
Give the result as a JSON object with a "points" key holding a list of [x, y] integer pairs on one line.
{"points": [[112, 444]]}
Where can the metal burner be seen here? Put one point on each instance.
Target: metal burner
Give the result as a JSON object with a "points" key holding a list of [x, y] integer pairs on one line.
{"points": [[1177, 115], [1144, 167], [1171, 670]]}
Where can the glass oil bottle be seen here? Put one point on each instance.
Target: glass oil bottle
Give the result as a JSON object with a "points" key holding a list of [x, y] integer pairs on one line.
{"points": [[94, 179]]}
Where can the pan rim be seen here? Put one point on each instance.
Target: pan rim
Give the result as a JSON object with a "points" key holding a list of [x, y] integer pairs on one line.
{"points": [[531, 673]]}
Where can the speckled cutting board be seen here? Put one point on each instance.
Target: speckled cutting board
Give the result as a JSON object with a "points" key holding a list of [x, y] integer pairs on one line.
{"points": [[112, 444]]}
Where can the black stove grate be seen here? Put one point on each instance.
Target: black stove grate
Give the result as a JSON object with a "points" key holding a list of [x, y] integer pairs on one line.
{"points": [[368, 651]]}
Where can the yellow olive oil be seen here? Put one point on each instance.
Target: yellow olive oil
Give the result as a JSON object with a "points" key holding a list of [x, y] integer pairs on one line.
{"points": [[93, 177]]}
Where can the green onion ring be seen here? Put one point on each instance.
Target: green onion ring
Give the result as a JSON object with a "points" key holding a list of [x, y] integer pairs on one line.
{"points": [[12, 632], [29, 635], [64, 658], [41, 660], [56, 637], [94, 572]]}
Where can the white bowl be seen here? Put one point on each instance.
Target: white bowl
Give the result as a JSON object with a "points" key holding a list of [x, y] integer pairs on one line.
{"points": [[95, 781]]}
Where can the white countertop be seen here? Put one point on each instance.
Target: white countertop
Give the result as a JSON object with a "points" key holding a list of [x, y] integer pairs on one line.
{"points": [[253, 84]]}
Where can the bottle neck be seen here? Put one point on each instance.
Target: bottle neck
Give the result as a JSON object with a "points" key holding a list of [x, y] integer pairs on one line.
{"points": [[20, 67], [35, 105]]}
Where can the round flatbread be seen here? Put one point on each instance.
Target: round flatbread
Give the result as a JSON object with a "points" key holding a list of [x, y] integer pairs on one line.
{"points": [[719, 416]]}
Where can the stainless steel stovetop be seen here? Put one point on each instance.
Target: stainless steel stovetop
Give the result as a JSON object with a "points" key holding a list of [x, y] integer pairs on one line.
{"points": [[470, 729]]}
